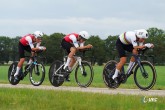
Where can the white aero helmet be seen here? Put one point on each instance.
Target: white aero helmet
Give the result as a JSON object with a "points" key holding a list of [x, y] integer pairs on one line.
{"points": [[84, 34], [38, 34], [141, 33]]}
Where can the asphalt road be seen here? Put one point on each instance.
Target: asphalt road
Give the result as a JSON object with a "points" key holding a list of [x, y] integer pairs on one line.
{"points": [[90, 90]]}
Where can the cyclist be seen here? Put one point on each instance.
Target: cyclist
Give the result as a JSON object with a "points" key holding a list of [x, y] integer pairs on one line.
{"points": [[72, 43], [130, 41], [26, 43]]}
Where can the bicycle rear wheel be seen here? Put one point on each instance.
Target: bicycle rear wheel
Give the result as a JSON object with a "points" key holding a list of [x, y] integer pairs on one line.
{"points": [[11, 72], [147, 79], [37, 74], [56, 80], [108, 72], [84, 74]]}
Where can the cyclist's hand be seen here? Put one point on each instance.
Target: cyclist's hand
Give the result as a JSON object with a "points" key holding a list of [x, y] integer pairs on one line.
{"points": [[149, 45], [89, 46], [42, 48]]}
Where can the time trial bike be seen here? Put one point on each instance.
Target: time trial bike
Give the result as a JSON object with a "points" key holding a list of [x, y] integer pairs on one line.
{"points": [[83, 71], [36, 71], [144, 73]]}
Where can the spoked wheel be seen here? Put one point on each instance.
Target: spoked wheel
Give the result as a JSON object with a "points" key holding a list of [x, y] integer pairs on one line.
{"points": [[37, 74], [108, 72], [146, 78], [84, 74], [55, 78], [11, 72]]}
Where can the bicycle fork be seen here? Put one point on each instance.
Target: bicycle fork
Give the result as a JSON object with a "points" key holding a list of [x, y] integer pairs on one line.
{"points": [[142, 69], [83, 72], [78, 62]]}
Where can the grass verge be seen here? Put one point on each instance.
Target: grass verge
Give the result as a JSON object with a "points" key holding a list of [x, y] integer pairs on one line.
{"points": [[29, 99]]}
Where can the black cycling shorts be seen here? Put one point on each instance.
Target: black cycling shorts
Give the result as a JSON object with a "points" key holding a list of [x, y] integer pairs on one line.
{"points": [[22, 50], [121, 48], [66, 45]]}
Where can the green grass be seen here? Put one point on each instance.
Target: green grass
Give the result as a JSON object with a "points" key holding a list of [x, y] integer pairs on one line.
{"points": [[28, 99], [97, 81]]}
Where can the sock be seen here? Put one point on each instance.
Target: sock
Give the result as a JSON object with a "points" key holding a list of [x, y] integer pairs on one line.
{"points": [[116, 74], [30, 61], [17, 71], [130, 65], [67, 62]]}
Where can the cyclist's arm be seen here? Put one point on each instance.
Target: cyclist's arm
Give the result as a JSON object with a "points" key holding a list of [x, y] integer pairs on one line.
{"points": [[74, 40], [139, 47], [28, 38], [76, 44], [85, 47], [82, 44], [135, 44], [38, 44], [142, 46]]}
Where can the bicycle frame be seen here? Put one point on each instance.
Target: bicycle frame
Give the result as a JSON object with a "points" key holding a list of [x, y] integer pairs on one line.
{"points": [[34, 62], [78, 62], [137, 61]]}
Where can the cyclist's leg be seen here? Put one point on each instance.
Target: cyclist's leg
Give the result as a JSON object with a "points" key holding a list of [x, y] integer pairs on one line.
{"points": [[132, 60], [73, 59], [20, 63], [70, 50], [119, 66], [30, 60], [70, 59], [121, 52], [22, 59]]}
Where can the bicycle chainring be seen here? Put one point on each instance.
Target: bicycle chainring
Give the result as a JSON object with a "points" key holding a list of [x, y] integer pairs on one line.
{"points": [[122, 78]]}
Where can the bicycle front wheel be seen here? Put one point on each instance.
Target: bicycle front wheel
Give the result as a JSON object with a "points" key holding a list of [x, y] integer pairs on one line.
{"points": [[84, 74], [37, 74], [145, 75]]}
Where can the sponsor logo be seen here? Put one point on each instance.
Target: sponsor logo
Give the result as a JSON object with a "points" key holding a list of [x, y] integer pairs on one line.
{"points": [[149, 99]]}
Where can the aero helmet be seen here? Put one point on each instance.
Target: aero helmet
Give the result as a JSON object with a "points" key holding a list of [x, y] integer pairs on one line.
{"points": [[38, 34], [84, 34], [141, 33]]}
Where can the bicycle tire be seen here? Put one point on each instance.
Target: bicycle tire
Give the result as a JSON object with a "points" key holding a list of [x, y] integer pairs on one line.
{"points": [[108, 72], [56, 81], [151, 73], [85, 79], [11, 72], [37, 74]]}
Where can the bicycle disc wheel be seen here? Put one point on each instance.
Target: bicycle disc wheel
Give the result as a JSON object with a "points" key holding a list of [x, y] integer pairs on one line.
{"points": [[37, 74], [56, 80], [11, 72], [108, 72], [84, 74], [147, 79]]}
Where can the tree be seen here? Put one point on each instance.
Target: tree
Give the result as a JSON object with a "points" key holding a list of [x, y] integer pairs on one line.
{"points": [[110, 47], [53, 46], [157, 37], [4, 49], [98, 49], [13, 49]]}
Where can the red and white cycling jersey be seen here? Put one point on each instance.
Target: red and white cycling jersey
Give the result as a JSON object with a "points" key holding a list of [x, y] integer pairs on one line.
{"points": [[73, 38], [27, 40]]}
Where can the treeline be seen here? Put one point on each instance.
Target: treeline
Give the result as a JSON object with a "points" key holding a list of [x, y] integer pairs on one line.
{"points": [[103, 50]]}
